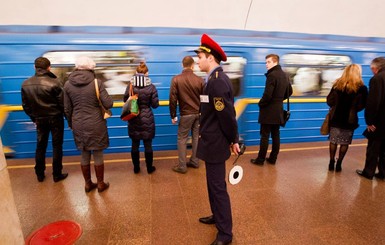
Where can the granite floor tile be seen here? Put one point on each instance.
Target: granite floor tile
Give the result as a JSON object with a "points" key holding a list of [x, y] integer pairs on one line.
{"points": [[295, 201]]}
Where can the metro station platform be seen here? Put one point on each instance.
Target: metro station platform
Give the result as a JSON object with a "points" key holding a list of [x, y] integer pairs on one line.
{"points": [[295, 201]]}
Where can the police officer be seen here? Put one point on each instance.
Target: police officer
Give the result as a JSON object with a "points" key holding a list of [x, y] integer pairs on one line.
{"points": [[218, 133]]}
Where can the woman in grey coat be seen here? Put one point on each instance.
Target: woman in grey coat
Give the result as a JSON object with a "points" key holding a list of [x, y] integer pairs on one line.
{"points": [[85, 118], [142, 127]]}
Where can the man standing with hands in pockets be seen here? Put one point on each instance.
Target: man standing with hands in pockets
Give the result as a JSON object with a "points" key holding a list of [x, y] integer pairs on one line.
{"points": [[218, 133]]}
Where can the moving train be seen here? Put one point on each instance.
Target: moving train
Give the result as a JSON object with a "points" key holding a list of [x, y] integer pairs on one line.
{"points": [[311, 61]]}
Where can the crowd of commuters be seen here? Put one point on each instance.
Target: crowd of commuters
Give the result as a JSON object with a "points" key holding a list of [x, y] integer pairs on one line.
{"points": [[206, 108]]}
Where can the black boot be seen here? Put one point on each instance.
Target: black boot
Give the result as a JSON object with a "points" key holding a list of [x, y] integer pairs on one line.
{"points": [[331, 164], [149, 159], [135, 161], [338, 165], [86, 170], [99, 169]]}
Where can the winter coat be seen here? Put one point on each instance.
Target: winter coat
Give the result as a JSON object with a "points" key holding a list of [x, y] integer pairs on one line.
{"points": [[83, 111], [142, 127], [271, 103], [345, 107]]}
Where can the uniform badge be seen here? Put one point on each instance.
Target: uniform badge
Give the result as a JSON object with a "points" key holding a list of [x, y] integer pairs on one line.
{"points": [[219, 103]]}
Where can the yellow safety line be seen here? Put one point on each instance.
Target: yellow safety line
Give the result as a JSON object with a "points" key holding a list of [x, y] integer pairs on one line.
{"points": [[176, 157], [240, 107]]}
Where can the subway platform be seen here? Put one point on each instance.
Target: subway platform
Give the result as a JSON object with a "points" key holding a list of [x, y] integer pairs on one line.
{"points": [[295, 201]]}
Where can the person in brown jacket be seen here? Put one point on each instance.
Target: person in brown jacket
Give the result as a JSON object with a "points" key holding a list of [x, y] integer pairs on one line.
{"points": [[185, 89]]}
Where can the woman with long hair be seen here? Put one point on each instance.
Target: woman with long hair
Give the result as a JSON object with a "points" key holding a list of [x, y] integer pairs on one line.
{"points": [[346, 98], [142, 127]]}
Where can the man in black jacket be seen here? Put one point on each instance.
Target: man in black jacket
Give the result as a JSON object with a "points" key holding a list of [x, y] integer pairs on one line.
{"points": [[277, 89], [42, 97], [375, 120]]}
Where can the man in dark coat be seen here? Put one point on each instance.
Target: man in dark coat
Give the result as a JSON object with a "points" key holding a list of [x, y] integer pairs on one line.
{"points": [[277, 89], [218, 133], [42, 97], [375, 120]]}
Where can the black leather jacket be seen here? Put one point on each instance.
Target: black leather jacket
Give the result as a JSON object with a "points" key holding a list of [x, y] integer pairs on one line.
{"points": [[42, 95]]}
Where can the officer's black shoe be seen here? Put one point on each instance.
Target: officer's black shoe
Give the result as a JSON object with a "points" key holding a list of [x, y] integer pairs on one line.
{"points": [[257, 161], [60, 177], [40, 178], [363, 174], [216, 242], [379, 176], [207, 220]]}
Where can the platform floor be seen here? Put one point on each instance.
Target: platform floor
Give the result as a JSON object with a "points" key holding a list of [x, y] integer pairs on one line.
{"points": [[296, 201]]}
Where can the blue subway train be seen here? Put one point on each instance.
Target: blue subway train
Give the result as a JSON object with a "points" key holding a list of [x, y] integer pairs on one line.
{"points": [[311, 61]]}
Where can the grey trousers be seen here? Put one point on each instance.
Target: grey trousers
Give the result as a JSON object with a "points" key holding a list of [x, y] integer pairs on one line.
{"points": [[187, 123]]}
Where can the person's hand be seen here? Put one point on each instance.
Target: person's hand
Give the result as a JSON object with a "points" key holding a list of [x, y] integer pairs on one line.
{"points": [[235, 148], [173, 121], [371, 128]]}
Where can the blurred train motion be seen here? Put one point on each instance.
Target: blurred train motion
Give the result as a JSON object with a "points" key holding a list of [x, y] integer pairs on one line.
{"points": [[312, 62]]}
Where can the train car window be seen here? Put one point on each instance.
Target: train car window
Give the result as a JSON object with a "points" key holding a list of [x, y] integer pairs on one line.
{"points": [[313, 74], [114, 68], [234, 67]]}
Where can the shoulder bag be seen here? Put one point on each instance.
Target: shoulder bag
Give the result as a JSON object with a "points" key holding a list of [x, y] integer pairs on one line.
{"points": [[130, 108], [105, 112], [286, 113]]}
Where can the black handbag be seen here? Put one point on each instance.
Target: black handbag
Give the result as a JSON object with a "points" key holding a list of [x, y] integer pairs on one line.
{"points": [[286, 113]]}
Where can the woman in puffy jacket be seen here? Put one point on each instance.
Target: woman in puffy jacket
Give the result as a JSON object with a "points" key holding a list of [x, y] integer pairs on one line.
{"points": [[346, 98], [142, 127], [85, 118]]}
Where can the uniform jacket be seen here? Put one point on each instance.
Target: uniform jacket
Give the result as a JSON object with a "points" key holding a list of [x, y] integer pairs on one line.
{"points": [[143, 126], [218, 126], [185, 88], [375, 105], [345, 107], [83, 111], [271, 103], [42, 95]]}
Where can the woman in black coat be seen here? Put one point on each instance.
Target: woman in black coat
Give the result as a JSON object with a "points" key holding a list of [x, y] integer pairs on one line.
{"points": [[142, 127], [85, 118], [346, 98]]}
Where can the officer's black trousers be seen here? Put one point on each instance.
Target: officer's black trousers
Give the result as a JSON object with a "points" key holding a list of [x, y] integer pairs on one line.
{"points": [[219, 200]]}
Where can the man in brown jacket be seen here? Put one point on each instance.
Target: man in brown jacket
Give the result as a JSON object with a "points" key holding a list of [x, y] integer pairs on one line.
{"points": [[185, 89]]}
